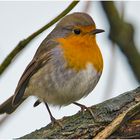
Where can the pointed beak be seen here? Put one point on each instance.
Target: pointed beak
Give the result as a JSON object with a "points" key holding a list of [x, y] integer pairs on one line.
{"points": [[96, 31]]}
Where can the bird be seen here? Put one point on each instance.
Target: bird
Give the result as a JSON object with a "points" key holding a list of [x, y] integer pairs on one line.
{"points": [[65, 68]]}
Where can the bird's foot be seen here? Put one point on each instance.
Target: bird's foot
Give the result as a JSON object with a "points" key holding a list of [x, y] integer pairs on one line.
{"points": [[83, 108], [54, 121]]}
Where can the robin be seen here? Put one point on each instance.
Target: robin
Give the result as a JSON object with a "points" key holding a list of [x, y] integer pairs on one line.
{"points": [[66, 66]]}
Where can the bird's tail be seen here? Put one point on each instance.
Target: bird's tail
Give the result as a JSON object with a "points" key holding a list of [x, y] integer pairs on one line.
{"points": [[7, 106]]}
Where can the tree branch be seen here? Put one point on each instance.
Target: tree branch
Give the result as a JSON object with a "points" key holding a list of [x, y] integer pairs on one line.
{"points": [[122, 33], [118, 117], [22, 44]]}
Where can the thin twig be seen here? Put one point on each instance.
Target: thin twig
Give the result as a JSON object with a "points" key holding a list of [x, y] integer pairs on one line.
{"points": [[22, 44]]}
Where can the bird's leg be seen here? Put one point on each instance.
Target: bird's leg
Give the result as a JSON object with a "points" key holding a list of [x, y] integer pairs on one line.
{"points": [[83, 107], [53, 120]]}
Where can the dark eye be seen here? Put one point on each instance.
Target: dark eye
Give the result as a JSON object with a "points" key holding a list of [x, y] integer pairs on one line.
{"points": [[77, 31]]}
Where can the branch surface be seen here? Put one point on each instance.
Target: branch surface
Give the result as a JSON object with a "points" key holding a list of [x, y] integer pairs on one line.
{"points": [[22, 44], [118, 117], [122, 33]]}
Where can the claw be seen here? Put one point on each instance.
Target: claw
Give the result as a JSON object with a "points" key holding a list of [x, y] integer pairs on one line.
{"points": [[83, 108], [53, 120]]}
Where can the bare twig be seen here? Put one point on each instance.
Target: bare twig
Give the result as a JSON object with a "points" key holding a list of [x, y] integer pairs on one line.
{"points": [[22, 44], [122, 34]]}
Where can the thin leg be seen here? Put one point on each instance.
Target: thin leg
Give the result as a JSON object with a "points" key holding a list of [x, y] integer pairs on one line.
{"points": [[53, 120], [83, 107], [51, 116]]}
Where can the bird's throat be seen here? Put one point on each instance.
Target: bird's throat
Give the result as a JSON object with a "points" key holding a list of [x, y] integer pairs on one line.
{"points": [[81, 50]]}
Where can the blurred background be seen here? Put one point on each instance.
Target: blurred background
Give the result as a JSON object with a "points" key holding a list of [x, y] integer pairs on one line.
{"points": [[20, 19]]}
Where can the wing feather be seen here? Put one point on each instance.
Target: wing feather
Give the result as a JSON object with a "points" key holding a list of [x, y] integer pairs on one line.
{"points": [[31, 69]]}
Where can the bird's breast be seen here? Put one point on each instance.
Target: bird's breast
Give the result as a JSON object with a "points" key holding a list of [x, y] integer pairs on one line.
{"points": [[79, 51]]}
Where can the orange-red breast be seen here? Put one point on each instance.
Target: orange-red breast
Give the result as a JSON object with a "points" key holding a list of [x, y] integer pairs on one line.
{"points": [[65, 68]]}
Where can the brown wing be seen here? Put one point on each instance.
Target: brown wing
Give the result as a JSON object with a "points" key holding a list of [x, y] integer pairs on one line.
{"points": [[31, 69], [41, 57]]}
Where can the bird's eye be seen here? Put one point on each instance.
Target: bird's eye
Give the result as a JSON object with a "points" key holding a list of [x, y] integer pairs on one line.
{"points": [[77, 31]]}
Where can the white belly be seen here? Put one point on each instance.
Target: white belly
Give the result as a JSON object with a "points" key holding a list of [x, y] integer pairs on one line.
{"points": [[61, 87]]}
